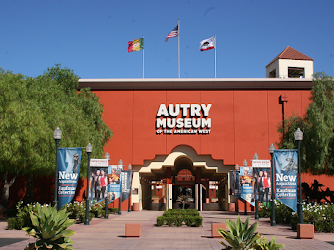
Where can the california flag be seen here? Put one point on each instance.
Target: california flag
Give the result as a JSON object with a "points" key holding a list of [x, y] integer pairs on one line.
{"points": [[207, 44]]}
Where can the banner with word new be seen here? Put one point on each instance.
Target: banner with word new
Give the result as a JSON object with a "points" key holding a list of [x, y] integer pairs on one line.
{"points": [[286, 167], [69, 160]]}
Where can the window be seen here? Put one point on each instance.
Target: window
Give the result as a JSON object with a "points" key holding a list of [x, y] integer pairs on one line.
{"points": [[294, 72]]}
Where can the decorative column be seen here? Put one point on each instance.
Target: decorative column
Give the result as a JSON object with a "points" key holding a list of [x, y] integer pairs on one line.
{"points": [[198, 178], [169, 187]]}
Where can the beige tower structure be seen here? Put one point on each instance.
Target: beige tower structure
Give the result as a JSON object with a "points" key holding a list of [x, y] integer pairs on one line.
{"points": [[290, 63]]}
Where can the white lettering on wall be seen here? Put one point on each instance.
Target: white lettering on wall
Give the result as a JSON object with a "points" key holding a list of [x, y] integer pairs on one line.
{"points": [[183, 119]]}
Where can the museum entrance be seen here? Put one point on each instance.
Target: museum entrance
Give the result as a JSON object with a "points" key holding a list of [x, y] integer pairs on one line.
{"points": [[185, 184]]}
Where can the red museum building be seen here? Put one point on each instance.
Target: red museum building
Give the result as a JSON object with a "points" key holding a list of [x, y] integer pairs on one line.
{"points": [[188, 134]]}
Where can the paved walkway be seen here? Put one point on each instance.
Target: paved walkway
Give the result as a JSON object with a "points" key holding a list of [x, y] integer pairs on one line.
{"points": [[110, 234]]}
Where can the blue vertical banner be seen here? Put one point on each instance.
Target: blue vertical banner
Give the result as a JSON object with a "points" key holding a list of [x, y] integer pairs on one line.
{"points": [[126, 184], [285, 161], [69, 160], [114, 186], [246, 184], [235, 183]]}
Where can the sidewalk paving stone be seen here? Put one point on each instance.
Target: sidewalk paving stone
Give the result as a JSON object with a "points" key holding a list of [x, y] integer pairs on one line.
{"points": [[110, 234]]}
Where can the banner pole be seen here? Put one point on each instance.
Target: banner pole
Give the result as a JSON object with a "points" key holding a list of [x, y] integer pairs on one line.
{"points": [[143, 56], [215, 58], [178, 25]]}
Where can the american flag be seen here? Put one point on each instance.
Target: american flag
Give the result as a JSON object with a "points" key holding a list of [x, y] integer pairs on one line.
{"points": [[173, 33]]}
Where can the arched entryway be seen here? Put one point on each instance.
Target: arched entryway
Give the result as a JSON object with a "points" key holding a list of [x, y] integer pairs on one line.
{"points": [[161, 180], [183, 184]]}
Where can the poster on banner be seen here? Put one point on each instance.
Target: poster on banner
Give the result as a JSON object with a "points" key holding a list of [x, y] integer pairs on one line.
{"points": [[69, 161], [246, 184], [98, 188], [285, 161], [99, 183], [114, 187], [262, 181], [126, 184], [235, 183]]}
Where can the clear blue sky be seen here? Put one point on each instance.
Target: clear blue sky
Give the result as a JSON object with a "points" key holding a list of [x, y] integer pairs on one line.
{"points": [[91, 37]]}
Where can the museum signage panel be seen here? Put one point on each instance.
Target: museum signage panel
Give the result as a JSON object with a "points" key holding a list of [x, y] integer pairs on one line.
{"points": [[183, 119]]}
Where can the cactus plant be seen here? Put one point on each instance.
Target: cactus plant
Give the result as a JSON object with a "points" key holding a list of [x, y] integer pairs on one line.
{"points": [[240, 235], [49, 228]]}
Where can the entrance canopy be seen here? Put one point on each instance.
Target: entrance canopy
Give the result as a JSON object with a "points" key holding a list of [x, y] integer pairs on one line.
{"points": [[184, 157]]}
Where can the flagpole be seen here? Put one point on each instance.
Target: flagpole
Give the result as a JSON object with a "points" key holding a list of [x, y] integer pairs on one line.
{"points": [[143, 56], [178, 25], [215, 58]]}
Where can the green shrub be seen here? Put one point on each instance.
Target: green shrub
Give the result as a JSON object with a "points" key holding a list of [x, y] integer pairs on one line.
{"points": [[264, 244], [170, 220], [178, 221], [15, 223], [181, 212], [82, 216], [294, 221], [198, 220], [188, 220], [192, 212], [174, 212], [97, 210], [113, 210], [178, 216], [321, 215], [24, 212], [49, 227], [161, 221], [74, 209], [167, 213]]}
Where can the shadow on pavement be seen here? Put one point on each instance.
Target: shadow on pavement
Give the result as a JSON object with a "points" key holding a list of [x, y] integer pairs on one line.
{"points": [[8, 241]]}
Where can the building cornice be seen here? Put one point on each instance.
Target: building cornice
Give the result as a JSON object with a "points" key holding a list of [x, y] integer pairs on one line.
{"points": [[197, 84]]}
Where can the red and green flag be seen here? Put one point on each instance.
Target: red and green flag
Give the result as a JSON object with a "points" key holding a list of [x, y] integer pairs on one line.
{"points": [[136, 45]]}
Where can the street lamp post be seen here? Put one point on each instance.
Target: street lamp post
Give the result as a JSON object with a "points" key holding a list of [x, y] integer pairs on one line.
{"points": [[271, 151], [256, 157], [237, 185], [130, 168], [106, 214], [299, 138], [120, 163], [89, 149], [245, 165], [57, 136]]}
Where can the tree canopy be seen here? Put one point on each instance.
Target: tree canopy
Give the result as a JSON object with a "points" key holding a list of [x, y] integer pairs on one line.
{"points": [[32, 108], [317, 124]]}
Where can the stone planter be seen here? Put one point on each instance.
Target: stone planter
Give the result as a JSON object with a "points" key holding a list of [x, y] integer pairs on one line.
{"points": [[135, 206], [231, 207], [214, 200], [214, 227], [305, 231], [155, 200], [132, 229]]}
